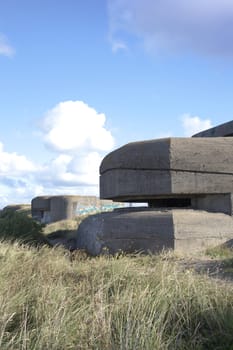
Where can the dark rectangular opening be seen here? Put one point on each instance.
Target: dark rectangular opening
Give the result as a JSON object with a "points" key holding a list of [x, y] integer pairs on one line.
{"points": [[170, 203]]}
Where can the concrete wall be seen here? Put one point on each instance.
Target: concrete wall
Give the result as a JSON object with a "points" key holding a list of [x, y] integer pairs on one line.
{"points": [[219, 203]]}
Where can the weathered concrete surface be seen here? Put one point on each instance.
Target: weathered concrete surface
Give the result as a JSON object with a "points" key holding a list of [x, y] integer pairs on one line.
{"points": [[142, 185], [127, 230], [152, 230], [132, 185], [196, 230], [41, 203], [221, 130], [53, 208], [63, 207], [193, 173], [150, 154], [168, 167], [202, 155], [180, 154], [219, 203]]}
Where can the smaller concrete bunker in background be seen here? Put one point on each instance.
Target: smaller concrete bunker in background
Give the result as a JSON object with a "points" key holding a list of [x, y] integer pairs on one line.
{"points": [[48, 209]]}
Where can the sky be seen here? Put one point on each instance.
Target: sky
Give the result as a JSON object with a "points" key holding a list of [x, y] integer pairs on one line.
{"points": [[80, 78]]}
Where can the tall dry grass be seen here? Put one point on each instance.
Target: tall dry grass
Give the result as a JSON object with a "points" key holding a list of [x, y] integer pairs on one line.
{"points": [[49, 302]]}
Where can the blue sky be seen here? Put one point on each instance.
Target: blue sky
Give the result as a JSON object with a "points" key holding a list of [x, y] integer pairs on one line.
{"points": [[80, 78]]}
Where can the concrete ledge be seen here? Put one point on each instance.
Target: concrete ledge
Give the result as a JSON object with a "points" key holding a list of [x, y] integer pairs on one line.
{"points": [[130, 185], [135, 185]]}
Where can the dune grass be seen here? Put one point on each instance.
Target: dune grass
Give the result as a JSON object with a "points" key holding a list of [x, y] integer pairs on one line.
{"points": [[50, 301]]}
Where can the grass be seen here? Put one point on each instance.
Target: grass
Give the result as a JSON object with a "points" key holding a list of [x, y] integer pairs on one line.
{"points": [[61, 229], [52, 299], [224, 254], [124, 302], [220, 252]]}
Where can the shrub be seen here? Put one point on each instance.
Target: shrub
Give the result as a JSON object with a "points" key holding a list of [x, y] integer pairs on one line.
{"points": [[19, 226]]}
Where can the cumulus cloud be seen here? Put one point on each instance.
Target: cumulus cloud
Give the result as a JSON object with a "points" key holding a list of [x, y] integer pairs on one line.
{"points": [[74, 126], [69, 171], [14, 164], [78, 136], [21, 180], [5, 48], [17, 174], [194, 124], [204, 26]]}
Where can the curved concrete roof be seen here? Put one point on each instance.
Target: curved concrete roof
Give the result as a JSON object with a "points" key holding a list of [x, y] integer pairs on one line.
{"points": [[184, 154]]}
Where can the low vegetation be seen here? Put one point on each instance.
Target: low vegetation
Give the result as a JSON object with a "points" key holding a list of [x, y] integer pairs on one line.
{"points": [[50, 299], [18, 226]]}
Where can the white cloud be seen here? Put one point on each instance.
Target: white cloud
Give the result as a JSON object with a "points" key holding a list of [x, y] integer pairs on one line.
{"points": [[78, 135], [14, 164], [5, 48], [194, 124], [21, 180], [69, 171], [17, 178], [74, 126], [204, 26], [86, 168], [14, 190]]}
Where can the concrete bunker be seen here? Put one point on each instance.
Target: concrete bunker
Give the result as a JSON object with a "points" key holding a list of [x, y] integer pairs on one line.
{"points": [[187, 184], [48, 209]]}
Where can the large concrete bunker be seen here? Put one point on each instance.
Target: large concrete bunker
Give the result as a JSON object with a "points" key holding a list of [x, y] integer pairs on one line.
{"points": [[188, 185], [167, 168]]}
